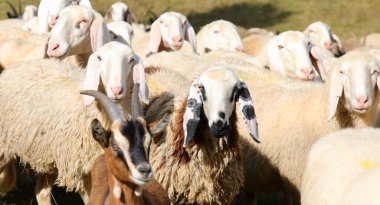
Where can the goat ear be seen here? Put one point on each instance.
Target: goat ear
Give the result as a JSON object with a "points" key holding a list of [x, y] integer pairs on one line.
{"points": [[139, 77], [336, 90], [316, 56], [99, 33], [192, 113], [99, 133], [247, 109], [154, 37], [190, 35], [92, 77]]}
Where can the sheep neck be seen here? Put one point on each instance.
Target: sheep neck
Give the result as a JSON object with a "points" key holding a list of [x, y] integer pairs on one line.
{"points": [[203, 139]]}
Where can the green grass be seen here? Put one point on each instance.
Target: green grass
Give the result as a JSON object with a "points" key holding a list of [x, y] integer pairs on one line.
{"points": [[346, 17]]}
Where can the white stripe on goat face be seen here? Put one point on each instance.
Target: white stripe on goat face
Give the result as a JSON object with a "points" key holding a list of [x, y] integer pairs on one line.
{"points": [[222, 34], [172, 29], [116, 60], [218, 87]]}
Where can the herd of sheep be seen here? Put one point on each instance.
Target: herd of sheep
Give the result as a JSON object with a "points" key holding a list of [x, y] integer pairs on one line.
{"points": [[125, 113]]}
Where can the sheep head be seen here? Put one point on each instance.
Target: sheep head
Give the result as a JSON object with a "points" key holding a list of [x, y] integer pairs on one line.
{"points": [[292, 55], [221, 35], [113, 63], [77, 28], [170, 30], [120, 11], [215, 92], [354, 81]]}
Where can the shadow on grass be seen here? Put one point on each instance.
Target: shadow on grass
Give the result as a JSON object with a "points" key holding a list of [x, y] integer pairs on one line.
{"points": [[243, 14]]}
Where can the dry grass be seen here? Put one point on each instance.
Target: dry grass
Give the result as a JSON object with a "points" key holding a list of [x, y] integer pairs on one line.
{"points": [[346, 17]]}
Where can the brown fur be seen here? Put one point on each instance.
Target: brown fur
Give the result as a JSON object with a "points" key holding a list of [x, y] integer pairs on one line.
{"points": [[209, 171]]}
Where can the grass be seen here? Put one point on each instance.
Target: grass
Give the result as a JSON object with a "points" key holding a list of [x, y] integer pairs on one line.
{"points": [[346, 17]]}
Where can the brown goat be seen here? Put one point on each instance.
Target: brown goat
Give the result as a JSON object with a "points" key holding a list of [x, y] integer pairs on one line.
{"points": [[119, 174]]}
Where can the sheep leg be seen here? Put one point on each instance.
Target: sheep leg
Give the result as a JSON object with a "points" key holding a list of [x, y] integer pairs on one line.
{"points": [[85, 193], [43, 188], [8, 176]]}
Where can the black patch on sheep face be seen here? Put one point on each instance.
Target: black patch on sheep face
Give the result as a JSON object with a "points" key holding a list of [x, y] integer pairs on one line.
{"points": [[203, 92], [249, 112], [191, 128]]}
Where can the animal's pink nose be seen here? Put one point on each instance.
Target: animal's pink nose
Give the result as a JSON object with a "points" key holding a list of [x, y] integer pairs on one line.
{"points": [[117, 91], [239, 48], [177, 39], [327, 44], [307, 72], [53, 49], [362, 100], [54, 46], [53, 19]]}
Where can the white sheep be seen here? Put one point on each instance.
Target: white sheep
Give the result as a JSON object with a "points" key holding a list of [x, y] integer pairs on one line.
{"points": [[294, 114], [169, 31], [120, 11], [202, 139], [321, 35], [48, 12], [336, 169], [51, 118], [120, 31], [292, 55], [123, 170], [371, 40], [65, 39], [218, 35]]}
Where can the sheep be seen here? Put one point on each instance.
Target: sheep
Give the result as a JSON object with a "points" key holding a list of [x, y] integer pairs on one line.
{"points": [[202, 139], [292, 55], [320, 34], [371, 40], [120, 31], [120, 11], [287, 131], [256, 44], [168, 33], [336, 166], [217, 35], [51, 88], [65, 39], [30, 11], [48, 12], [123, 169]]}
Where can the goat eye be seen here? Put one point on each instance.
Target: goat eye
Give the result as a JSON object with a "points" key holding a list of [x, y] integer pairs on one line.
{"points": [[114, 147], [280, 47]]}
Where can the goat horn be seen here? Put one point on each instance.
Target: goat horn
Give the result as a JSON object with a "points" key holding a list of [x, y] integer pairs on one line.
{"points": [[136, 101], [113, 111]]}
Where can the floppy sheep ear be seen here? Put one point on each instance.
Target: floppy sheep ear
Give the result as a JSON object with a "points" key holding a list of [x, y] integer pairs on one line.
{"points": [[99, 133], [316, 56], [336, 89], [154, 37], [139, 77], [247, 110], [190, 35], [192, 113], [99, 33], [85, 3], [92, 77]]}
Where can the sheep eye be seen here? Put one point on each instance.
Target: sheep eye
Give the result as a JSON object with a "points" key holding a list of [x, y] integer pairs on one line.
{"points": [[216, 31], [99, 58], [280, 47], [131, 59]]}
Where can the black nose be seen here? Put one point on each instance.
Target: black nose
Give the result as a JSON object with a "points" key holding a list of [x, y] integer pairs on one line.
{"points": [[144, 168], [219, 129]]}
